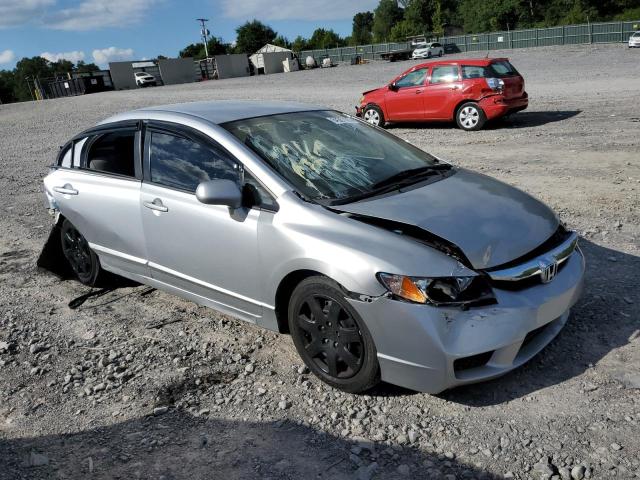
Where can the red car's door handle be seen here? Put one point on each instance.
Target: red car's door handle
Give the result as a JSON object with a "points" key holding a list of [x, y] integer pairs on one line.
{"points": [[418, 91]]}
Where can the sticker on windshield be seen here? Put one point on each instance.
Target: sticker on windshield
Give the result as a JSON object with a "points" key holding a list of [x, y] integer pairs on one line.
{"points": [[343, 120]]}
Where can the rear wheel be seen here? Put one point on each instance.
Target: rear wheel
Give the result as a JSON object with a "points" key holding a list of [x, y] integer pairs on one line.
{"points": [[83, 261], [470, 116], [373, 114], [330, 336]]}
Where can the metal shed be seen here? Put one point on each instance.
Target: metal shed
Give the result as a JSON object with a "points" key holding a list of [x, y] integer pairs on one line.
{"points": [[269, 59]]}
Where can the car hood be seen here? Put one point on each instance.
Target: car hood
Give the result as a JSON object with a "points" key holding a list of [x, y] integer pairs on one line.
{"points": [[490, 221]]}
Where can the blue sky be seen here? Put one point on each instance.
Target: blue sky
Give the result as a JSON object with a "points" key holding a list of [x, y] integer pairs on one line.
{"points": [[104, 30]]}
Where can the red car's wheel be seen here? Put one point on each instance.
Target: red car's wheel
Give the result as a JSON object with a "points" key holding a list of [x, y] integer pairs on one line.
{"points": [[470, 116], [373, 114]]}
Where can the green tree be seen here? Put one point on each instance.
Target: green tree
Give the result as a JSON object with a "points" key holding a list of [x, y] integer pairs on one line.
{"points": [[417, 16], [252, 36], [402, 30], [82, 67], [362, 33], [300, 43], [281, 41], [35, 67], [196, 51], [385, 16], [7, 86], [322, 38], [437, 23]]}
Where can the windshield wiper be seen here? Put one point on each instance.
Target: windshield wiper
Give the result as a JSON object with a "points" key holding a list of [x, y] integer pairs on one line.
{"points": [[406, 177], [400, 179]]}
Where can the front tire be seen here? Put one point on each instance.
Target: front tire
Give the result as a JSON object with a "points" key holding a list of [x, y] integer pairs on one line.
{"points": [[470, 117], [331, 337], [83, 261], [373, 114]]}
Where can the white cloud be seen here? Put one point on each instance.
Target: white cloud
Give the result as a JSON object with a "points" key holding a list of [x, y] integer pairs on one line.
{"points": [[96, 14], [19, 12], [74, 56], [7, 56], [112, 54], [296, 9]]}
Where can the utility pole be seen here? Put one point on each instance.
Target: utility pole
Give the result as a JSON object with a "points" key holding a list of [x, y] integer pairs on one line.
{"points": [[205, 34]]}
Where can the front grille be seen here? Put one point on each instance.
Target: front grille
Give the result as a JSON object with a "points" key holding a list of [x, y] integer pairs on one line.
{"points": [[521, 284], [474, 361]]}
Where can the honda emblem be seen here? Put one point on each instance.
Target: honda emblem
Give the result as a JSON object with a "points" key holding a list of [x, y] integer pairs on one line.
{"points": [[548, 269]]}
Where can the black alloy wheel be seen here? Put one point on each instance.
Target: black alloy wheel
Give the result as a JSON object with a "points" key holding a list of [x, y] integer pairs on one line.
{"points": [[81, 258], [330, 337]]}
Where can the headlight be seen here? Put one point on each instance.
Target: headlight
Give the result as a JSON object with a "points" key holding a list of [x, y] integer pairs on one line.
{"points": [[361, 100], [449, 291], [496, 84]]}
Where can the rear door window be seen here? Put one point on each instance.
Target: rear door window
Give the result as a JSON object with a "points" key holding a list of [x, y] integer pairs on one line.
{"points": [[183, 163], [444, 74], [113, 153]]}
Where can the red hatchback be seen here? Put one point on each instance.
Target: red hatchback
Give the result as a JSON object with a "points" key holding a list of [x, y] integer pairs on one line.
{"points": [[471, 91]]}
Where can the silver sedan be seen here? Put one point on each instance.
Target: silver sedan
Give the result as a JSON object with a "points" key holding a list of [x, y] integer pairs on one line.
{"points": [[382, 261]]}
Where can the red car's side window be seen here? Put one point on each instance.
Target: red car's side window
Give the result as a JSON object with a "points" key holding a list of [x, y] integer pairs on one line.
{"points": [[444, 74], [413, 79]]}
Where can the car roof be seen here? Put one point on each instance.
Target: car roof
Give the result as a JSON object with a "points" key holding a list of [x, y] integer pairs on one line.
{"points": [[480, 62], [219, 111]]}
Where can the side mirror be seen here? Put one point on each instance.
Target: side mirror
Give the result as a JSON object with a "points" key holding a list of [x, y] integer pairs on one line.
{"points": [[393, 87], [219, 192]]}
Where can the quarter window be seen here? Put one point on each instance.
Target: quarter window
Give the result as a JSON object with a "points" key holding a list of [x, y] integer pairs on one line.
{"points": [[112, 153], [182, 163], [472, 71], [413, 79], [444, 74], [64, 160]]}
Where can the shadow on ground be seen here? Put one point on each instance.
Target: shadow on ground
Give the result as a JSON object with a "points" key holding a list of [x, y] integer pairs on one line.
{"points": [[178, 445], [517, 120]]}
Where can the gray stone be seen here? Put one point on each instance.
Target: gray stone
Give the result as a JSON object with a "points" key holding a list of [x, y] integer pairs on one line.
{"points": [[577, 472], [616, 446], [404, 469], [35, 348], [413, 436], [160, 410], [249, 368], [284, 404], [37, 459], [565, 473]]}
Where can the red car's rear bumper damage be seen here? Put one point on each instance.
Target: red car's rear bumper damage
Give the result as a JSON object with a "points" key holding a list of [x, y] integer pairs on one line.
{"points": [[496, 106]]}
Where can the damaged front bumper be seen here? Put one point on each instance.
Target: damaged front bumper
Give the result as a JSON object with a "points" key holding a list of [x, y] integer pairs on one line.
{"points": [[431, 349]]}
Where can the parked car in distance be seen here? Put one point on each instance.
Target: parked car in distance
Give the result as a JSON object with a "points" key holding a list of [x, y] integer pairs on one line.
{"points": [[428, 50], [144, 79], [467, 91], [634, 40], [382, 261]]}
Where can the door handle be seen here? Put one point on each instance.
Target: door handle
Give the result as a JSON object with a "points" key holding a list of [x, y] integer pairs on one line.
{"points": [[454, 87], [418, 91], [156, 205], [67, 189]]}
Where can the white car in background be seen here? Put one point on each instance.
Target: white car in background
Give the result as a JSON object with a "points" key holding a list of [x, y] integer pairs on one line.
{"points": [[634, 40], [144, 79], [428, 50]]}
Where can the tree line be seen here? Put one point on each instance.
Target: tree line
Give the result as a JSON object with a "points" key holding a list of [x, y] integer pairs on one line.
{"points": [[391, 21]]}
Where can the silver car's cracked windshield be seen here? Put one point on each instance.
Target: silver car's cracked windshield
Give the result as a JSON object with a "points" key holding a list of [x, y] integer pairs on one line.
{"points": [[330, 156]]}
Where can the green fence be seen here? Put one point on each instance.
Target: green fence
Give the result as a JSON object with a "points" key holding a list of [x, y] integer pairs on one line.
{"points": [[609, 32]]}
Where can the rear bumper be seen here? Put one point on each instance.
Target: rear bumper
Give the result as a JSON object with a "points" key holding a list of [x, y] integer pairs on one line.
{"points": [[497, 106], [432, 349]]}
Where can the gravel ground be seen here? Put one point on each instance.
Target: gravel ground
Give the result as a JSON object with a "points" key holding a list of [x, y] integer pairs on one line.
{"points": [[137, 383]]}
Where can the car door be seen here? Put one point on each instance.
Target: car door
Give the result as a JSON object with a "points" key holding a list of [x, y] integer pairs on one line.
{"points": [[208, 252], [443, 92], [403, 101], [97, 188]]}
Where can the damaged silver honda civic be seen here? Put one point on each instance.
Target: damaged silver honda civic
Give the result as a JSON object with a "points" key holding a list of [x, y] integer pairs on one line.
{"points": [[383, 262]]}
